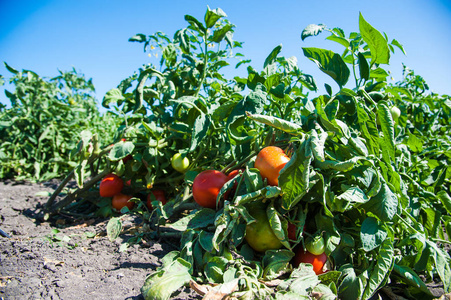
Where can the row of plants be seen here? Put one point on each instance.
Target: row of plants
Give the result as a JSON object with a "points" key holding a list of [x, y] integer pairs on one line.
{"points": [[272, 192], [40, 130]]}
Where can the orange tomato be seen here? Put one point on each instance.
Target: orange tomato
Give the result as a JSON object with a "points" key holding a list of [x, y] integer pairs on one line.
{"points": [[270, 160]]}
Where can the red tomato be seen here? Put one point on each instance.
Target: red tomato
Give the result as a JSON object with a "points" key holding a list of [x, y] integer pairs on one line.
{"points": [[234, 173], [159, 195], [110, 185], [318, 261], [270, 160], [206, 187], [291, 231], [120, 200], [230, 176], [127, 158]]}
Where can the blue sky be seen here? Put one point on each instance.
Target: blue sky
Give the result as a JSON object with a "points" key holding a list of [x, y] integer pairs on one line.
{"points": [[92, 35]]}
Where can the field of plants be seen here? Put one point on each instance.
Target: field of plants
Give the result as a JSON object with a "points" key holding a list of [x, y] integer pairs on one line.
{"points": [[270, 190]]}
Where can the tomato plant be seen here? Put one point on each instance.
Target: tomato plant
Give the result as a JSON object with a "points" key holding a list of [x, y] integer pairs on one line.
{"points": [[259, 234], [206, 187], [270, 160], [180, 163], [159, 196], [377, 190], [121, 200], [318, 261], [110, 185]]}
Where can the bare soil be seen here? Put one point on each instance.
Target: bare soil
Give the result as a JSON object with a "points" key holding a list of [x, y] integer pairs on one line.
{"points": [[79, 262]]}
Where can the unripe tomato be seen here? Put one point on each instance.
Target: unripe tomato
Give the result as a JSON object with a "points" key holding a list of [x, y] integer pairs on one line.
{"points": [[206, 187], [259, 234], [179, 163], [120, 200], [270, 160], [318, 261], [110, 185], [395, 113], [159, 195], [315, 245]]}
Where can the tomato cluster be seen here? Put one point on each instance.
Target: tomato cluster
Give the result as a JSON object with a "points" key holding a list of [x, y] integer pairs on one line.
{"points": [[112, 186]]}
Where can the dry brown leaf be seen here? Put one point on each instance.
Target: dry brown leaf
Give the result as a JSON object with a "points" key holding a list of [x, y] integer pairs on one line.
{"points": [[221, 291]]}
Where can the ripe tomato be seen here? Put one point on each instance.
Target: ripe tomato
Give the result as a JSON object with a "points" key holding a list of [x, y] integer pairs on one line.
{"points": [[179, 163], [259, 234], [318, 261], [234, 173], [292, 232], [270, 160], [159, 195], [206, 187], [110, 185], [120, 200]]}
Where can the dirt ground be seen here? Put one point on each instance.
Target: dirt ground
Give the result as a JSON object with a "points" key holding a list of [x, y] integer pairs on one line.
{"points": [[79, 262]]}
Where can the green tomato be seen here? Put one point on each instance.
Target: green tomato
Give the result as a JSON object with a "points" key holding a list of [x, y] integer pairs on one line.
{"points": [[179, 163], [315, 245], [395, 113]]}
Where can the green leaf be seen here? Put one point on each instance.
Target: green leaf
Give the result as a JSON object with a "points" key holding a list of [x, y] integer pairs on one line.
{"points": [[11, 69], [221, 33], [252, 103], [196, 24], [277, 123], [214, 269], [112, 96], [141, 38], [294, 178], [272, 56], [364, 67], [351, 285], [200, 129], [397, 44], [275, 263], [388, 128], [372, 234], [384, 205], [114, 228], [162, 284], [276, 222], [212, 16], [442, 262], [380, 53], [330, 63], [410, 278], [305, 280], [312, 30], [338, 39], [445, 199], [121, 150], [380, 273]]}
